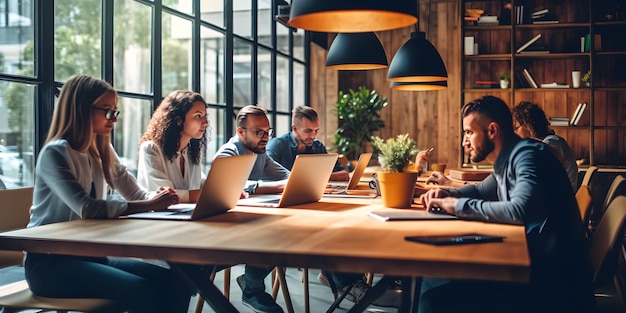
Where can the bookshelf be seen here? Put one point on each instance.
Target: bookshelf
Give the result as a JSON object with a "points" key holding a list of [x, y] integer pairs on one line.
{"points": [[600, 134]]}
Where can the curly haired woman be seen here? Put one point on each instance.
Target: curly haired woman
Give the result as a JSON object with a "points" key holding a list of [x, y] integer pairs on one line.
{"points": [[171, 149]]}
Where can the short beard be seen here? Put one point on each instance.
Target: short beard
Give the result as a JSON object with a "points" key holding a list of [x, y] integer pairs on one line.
{"points": [[254, 149], [481, 154]]}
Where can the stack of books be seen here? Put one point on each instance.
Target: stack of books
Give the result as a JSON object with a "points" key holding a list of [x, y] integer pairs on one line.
{"points": [[544, 17], [554, 85], [488, 20], [486, 84], [558, 121]]}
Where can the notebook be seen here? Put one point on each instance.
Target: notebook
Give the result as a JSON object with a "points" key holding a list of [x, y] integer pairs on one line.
{"points": [[306, 183], [348, 190], [220, 192], [409, 215]]}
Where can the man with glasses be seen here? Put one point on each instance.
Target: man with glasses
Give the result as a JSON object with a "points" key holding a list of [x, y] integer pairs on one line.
{"points": [[267, 176], [302, 140]]}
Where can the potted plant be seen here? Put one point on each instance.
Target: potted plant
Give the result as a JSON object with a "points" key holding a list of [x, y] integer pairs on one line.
{"points": [[587, 79], [505, 80], [359, 117], [397, 185]]}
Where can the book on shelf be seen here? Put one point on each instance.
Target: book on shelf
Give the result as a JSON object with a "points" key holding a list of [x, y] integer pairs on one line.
{"points": [[486, 84], [528, 43], [540, 12], [488, 20], [530, 78], [522, 14], [554, 85], [547, 18], [536, 48], [558, 121], [580, 109], [521, 81]]}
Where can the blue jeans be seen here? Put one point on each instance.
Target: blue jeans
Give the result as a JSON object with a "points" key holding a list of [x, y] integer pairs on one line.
{"points": [[255, 277], [136, 285]]}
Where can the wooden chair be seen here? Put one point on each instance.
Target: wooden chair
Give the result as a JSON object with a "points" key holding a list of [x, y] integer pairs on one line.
{"points": [[588, 175], [18, 296], [584, 200], [618, 187], [606, 246]]}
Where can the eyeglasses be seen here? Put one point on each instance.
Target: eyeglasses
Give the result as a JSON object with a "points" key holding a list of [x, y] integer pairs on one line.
{"points": [[260, 133], [108, 113]]}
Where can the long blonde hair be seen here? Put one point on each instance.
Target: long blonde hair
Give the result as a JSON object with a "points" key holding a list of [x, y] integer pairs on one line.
{"points": [[71, 119]]}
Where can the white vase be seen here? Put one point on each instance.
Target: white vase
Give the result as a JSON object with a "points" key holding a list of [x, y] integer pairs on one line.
{"points": [[504, 84]]}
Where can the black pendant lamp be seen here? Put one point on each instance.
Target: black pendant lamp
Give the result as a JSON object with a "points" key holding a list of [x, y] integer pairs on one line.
{"points": [[417, 61], [356, 51], [419, 86], [352, 16]]}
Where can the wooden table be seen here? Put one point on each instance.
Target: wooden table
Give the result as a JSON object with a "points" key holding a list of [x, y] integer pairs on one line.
{"points": [[334, 234]]}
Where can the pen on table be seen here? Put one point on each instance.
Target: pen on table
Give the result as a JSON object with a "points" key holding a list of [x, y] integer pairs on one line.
{"points": [[430, 150]]}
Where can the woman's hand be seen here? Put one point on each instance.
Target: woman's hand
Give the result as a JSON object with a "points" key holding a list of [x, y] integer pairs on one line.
{"points": [[165, 197]]}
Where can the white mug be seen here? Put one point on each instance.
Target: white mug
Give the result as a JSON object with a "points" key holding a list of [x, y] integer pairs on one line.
{"points": [[576, 79]]}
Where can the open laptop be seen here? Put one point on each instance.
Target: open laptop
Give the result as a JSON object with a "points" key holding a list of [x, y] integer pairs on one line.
{"points": [[306, 183], [342, 190], [220, 192]]}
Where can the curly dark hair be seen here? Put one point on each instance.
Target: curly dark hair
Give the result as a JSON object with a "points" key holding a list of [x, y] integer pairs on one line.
{"points": [[168, 122], [532, 116]]}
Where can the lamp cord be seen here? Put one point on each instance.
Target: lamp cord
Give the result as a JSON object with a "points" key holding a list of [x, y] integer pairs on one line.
{"points": [[428, 21]]}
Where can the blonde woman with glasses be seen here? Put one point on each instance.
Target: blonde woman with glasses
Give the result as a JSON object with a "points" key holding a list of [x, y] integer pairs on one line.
{"points": [[76, 172]]}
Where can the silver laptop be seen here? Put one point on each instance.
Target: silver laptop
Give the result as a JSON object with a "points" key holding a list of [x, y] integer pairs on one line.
{"points": [[340, 190], [306, 183], [220, 192]]}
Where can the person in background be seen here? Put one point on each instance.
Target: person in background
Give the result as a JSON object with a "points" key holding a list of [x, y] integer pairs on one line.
{"points": [[529, 121], [528, 187], [76, 172], [173, 145], [302, 140], [267, 176]]}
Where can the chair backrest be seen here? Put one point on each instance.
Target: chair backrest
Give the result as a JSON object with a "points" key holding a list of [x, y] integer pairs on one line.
{"points": [[588, 174], [607, 241], [15, 213], [583, 198], [617, 188]]}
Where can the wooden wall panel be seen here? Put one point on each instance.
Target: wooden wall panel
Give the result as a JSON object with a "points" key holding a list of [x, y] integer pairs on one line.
{"points": [[432, 118]]}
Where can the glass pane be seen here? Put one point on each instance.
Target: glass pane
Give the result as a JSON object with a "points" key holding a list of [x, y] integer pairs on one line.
{"points": [[16, 38], [212, 11], [282, 38], [298, 85], [265, 21], [298, 45], [212, 65], [132, 59], [242, 18], [264, 81], [17, 125], [217, 121], [131, 123], [283, 125], [242, 73], [176, 47], [77, 38], [282, 84], [184, 6]]}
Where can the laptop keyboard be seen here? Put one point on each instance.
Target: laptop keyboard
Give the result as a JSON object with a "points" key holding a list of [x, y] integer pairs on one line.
{"points": [[185, 212], [270, 201]]}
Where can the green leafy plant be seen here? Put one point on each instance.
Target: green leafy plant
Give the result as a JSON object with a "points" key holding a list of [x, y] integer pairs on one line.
{"points": [[587, 77], [504, 76], [395, 154], [359, 117]]}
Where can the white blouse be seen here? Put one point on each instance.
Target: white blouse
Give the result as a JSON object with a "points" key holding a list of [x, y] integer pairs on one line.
{"points": [[155, 170], [65, 180]]}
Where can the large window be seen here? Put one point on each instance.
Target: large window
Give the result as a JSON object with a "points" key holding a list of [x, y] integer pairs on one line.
{"points": [[231, 51]]}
